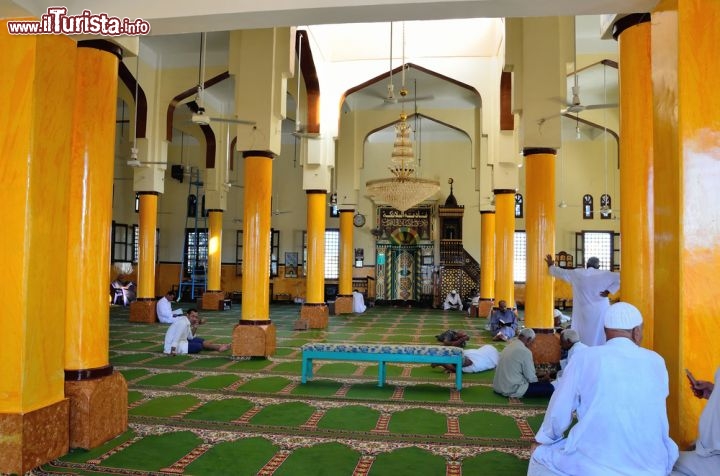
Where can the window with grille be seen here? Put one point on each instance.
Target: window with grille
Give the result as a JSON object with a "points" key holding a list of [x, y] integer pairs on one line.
{"points": [[519, 205], [238, 252], [196, 250], [274, 252], [136, 244], [520, 259], [599, 244], [122, 245], [332, 253]]}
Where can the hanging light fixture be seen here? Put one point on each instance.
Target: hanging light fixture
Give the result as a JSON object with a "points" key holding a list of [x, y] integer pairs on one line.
{"points": [[404, 189], [605, 209]]}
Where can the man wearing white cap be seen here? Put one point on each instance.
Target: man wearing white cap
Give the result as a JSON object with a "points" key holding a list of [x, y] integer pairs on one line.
{"points": [[590, 289], [453, 301], [618, 392]]}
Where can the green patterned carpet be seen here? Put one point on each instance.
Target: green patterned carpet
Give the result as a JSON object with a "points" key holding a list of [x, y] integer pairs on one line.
{"points": [[208, 414]]}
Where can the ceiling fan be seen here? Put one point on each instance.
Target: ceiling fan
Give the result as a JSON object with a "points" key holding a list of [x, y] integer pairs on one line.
{"points": [[575, 105], [200, 117]]}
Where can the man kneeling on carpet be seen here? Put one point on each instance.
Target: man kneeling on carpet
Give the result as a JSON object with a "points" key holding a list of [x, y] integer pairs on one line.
{"points": [[475, 360], [180, 337]]}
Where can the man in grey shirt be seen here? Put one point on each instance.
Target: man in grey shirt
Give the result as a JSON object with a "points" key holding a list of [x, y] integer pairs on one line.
{"points": [[515, 372]]}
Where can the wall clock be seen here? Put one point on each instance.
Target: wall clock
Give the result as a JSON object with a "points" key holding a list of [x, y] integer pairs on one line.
{"points": [[359, 220]]}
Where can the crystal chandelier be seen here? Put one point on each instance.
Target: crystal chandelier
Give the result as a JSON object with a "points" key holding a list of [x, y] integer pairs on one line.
{"points": [[403, 190]]}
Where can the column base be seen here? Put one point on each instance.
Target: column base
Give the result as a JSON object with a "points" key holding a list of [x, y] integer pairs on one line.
{"points": [[316, 315], [143, 311], [484, 307], [343, 304], [98, 410], [34, 438], [213, 301], [546, 351], [254, 339]]}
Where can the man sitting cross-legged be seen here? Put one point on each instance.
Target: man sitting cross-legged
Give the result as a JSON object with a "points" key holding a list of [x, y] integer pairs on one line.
{"points": [[515, 374], [617, 394], [503, 322]]}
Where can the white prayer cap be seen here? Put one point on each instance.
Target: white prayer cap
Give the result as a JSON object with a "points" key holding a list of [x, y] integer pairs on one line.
{"points": [[557, 313], [622, 315], [454, 291]]}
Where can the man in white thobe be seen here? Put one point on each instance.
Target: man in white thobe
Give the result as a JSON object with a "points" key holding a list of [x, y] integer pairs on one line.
{"points": [[358, 302], [705, 459], [164, 310], [590, 288], [453, 301], [569, 342], [475, 360], [618, 392]]}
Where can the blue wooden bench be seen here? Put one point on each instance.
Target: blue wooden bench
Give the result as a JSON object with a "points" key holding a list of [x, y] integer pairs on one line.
{"points": [[382, 353]]}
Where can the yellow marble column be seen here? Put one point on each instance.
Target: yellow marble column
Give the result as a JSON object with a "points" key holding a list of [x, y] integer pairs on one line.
{"points": [[214, 296], [636, 168], [487, 262], [344, 300], [540, 233], [504, 246], [35, 171], [314, 309], [684, 38], [256, 334], [98, 395], [143, 308]]}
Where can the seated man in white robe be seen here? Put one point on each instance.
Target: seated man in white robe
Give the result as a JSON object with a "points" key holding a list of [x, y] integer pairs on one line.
{"points": [[181, 337], [570, 345], [164, 309], [705, 458], [617, 392], [560, 320], [453, 301], [503, 322], [358, 302]]}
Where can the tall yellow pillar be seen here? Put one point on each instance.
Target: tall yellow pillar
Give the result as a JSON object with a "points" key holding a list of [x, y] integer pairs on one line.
{"points": [[143, 308], [344, 300], [684, 38], [255, 336], [314, 310], [213, 298], [540, 235], [35, 171], [504, 246], [636, 168], [487, 262], [98, 396], [540, 226]]}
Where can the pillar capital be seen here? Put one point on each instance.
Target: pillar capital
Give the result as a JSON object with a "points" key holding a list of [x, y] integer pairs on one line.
{"points": [[527, 151], [258, 153], [627, 21]]}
